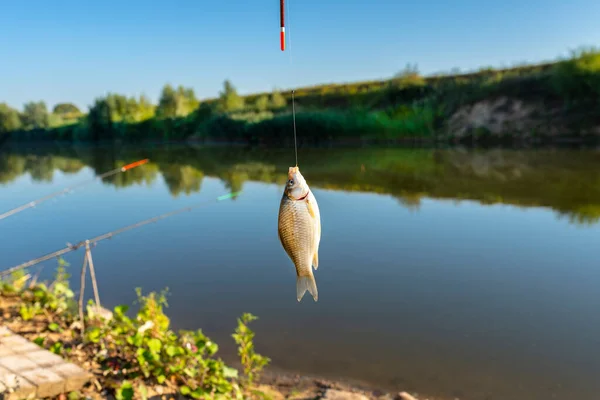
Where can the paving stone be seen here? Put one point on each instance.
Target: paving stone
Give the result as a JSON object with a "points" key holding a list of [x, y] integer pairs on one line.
{"points": [[24, 347], [17, 363], [17, 386], [5, 375], [34, 372], [332, 394], [15, 341], [21, 396], [44, 358], [74, 375], [5, 350], [49, 384], [12, 338]]}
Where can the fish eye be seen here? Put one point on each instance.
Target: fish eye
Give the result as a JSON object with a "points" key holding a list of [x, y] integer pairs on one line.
{"points": [[291, 182]]}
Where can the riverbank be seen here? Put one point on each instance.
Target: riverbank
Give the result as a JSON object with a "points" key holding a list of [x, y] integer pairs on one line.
{"points": [[141, 358], [533, 103]]}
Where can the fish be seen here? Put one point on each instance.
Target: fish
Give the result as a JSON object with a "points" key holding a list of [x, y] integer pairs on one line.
{"points": [[299, 231]]}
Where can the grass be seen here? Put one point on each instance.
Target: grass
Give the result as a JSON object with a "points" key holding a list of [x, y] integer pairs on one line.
{"points": [[130, 354], [404, 107]]}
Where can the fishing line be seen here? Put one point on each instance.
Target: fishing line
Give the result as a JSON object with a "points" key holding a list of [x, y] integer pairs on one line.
{"points": [[294, 122], [291, 69]]}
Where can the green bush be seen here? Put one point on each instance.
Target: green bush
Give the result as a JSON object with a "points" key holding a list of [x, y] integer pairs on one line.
{"points": [[578, 77]]}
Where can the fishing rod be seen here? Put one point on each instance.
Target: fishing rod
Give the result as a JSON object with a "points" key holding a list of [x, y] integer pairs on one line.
{"points": [[70, 188], [73, 247], [282, 24]]}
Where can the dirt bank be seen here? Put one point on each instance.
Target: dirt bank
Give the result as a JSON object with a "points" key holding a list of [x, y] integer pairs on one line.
{"points": [[507, 116]]}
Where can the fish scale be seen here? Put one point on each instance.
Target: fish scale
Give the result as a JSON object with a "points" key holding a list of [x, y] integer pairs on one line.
{"points": [[297, 233]]}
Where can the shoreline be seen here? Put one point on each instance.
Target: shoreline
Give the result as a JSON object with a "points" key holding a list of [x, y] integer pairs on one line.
{"points": [[538, 103], [275, 383], [508, 141]]}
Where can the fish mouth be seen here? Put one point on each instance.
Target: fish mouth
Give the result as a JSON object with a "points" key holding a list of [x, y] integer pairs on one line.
{"points": [[292, 171]]}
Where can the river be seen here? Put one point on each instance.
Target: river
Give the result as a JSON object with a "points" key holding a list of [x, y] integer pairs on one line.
{"points": [[470, 274]]}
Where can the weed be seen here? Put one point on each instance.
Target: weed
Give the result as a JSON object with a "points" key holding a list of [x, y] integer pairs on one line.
{"points": [[252, 362]]}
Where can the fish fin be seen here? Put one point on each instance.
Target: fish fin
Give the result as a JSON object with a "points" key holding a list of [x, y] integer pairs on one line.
{"points": [[311, 211], [304, 283], [317, 242]]}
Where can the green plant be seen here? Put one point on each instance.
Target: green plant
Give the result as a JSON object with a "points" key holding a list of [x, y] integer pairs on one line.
{"points": [[75, 396], [144, 347], [14, 283], [252, 362], [57, 348], [125, 391], [41, 298], [578, 77], [56, 297], [28, 311]]}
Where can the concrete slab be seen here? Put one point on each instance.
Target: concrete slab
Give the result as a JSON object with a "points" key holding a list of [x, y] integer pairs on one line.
{"points": [[29, 371]]}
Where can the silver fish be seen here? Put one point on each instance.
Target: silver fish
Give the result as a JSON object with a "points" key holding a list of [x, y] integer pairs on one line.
{"points": [[299, 230]]}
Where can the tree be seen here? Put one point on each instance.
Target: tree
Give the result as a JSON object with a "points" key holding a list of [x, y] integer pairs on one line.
{"points": [[409, 76], [35, 115], [169, 103], [409, 71], [9, 119], [145, 108], [118, 105], [100, 119], [129, 109], [203, 112], [55, 120], [176, 103], [262, 103], [66, 110], [188, 100], [578, 77], [277, 100], [229, 99]]}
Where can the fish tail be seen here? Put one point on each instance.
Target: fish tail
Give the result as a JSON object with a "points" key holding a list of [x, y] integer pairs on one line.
{"points": [[304, 283]]}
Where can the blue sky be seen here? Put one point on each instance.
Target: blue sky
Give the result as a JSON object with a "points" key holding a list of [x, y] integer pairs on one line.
{"points": [[77, 50]]}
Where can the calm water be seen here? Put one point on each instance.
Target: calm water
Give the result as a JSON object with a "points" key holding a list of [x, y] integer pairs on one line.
{"points": [[469, 274]]}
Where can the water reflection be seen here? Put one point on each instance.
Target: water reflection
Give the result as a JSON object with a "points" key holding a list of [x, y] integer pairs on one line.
{"points": [[567, 181]]}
